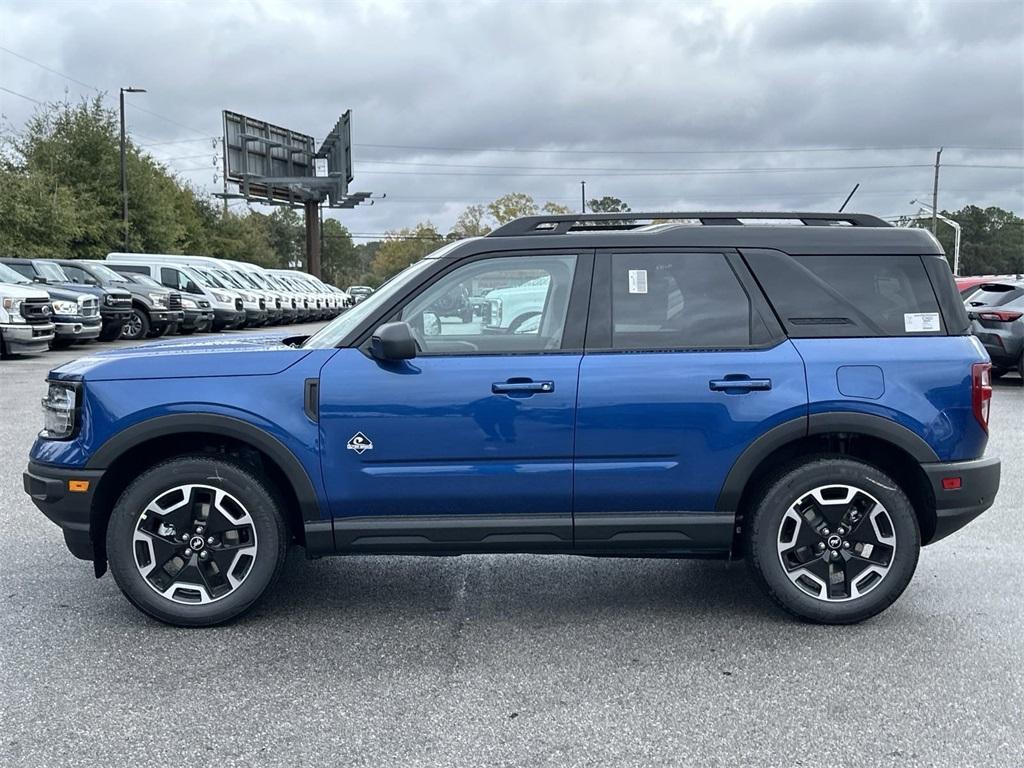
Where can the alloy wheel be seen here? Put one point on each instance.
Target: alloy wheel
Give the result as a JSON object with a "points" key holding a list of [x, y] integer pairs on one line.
{"points": [[194, 544], [836, 543]]}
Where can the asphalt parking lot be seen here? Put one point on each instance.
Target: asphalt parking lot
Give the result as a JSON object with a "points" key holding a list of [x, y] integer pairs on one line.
{"points": [[509, 660]]}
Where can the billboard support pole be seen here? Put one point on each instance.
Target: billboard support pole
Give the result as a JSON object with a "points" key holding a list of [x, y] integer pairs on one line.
{"points": [[312, 237]]}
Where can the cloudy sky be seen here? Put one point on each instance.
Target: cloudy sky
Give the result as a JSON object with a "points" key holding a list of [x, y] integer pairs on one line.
{"points": [[760, 105]]}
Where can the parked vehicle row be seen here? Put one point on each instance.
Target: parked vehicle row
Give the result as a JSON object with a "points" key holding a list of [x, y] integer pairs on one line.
{"points": [[137, 296], [996, 312]]}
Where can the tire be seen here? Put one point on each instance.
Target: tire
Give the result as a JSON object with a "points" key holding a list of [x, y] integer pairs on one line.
{"points": [[1020, 369], [164, 576], [137, 326], [515, 324], [112, 333], [821, 494], [62, 342]]}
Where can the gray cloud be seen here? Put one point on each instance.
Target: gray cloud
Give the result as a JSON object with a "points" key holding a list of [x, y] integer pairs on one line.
{"points": [[610, 76]]}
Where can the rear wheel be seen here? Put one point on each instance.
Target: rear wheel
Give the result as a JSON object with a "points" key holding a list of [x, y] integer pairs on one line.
{"points": [[195, 541], [834, 541]]}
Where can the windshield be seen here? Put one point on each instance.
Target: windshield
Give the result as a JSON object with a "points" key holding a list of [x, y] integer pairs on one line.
{"points": [[8, 275], [243, 279], [51, 271], [145, 280], [332, 333], [205, 279], [106, 274], [226, 279]]}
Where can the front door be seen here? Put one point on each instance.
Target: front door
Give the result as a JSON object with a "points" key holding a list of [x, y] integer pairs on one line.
{"points": [[685, 367], [468, 445]]}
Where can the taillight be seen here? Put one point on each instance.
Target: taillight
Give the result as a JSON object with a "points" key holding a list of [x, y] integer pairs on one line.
{"points": [[981, 392], [1001, 316]]}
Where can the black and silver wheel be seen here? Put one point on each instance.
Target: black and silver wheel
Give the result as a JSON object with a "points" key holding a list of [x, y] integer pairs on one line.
{"points": [[834, 541], [195, 541], [136, 326]]}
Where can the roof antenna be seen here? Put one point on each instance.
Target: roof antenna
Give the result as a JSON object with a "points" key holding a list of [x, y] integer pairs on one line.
{"points": [[852, 192]]}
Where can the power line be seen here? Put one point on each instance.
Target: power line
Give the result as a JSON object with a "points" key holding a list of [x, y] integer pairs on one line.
{"points": [[49, 69], [178, 141], [588, 169], [22, 95], [552, 151]]}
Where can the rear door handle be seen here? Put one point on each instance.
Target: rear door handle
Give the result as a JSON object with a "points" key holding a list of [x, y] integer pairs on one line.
{"points": [[522, 387], [739, 384]]}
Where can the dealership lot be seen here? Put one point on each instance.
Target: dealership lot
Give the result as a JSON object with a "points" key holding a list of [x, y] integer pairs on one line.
{"points": [[509, 660]]}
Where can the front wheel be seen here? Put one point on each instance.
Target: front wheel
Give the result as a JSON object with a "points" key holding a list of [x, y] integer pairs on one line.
{"points": [[136, 326], [833, 541], [195, 541]]}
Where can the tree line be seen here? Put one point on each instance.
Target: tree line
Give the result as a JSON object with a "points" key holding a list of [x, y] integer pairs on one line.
{"points": [[60, 195]]}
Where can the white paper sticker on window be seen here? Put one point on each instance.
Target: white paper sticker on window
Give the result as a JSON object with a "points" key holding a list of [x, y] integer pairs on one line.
{"points": [[921, 322], [638, 281]]}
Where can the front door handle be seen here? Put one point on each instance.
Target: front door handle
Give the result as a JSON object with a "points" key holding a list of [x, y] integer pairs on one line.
{"points": [[738, 384], [522, 387]]}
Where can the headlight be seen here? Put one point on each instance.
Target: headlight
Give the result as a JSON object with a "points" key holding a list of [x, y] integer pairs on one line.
{"points": [[110, 299], [187, 303], [222, 297], [65, 307], [59, 411], [158, 299], [13, 307]]}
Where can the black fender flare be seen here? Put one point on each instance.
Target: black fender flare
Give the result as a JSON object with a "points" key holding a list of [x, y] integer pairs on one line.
{"points": [[817, 424], [218, 424]]}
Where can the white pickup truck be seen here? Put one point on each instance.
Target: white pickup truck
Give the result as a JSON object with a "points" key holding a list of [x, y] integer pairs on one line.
{"points": [[25, 312]]}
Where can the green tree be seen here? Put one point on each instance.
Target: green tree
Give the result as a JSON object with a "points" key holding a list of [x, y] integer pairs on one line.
{"points": [[607, 204], [471, 223], [555, 209], [37, 216], [992, 240], [401, 248], [339, 259], [512, 206]]}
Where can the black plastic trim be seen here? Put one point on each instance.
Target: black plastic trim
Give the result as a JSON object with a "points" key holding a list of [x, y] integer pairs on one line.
{"points": [[311, 399], [176, 424], [677, 531], [979, 483], [439, 534], [759, 450], [47, 487], [875, 426]]}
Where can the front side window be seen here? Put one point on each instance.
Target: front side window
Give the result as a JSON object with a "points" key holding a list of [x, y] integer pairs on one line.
{"points": [[79, 275], [680, 301], [504, 304]]}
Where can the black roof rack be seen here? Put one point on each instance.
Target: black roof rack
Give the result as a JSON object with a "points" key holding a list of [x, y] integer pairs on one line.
{"points": [[603, 222]]}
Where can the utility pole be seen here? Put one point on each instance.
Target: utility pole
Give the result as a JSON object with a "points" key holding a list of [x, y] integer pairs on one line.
{"points": [[935, 193], [124, 169], [583, 197], [312, 237]]}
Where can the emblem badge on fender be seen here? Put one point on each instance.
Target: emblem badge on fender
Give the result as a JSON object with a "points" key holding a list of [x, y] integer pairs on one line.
{"points": [[359, 443]]}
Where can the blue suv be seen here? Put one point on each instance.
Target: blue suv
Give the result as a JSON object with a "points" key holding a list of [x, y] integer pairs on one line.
{"points": [[799, 390]]}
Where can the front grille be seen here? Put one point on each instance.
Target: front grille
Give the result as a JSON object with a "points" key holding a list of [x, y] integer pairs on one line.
{"points": [[119, 300], [90, 307], [36, 310], [174, 301], [238, 305], [263, 303]]}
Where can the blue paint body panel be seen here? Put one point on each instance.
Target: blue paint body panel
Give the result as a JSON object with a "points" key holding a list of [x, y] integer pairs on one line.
{"points": [[653, 436], [443, 442], [927, 386]]}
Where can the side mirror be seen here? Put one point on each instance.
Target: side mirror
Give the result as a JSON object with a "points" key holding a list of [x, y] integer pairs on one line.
{"points": [[393, 341]]}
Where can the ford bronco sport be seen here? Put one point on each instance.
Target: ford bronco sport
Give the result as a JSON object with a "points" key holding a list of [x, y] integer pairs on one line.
{"points": [[799, 390]]}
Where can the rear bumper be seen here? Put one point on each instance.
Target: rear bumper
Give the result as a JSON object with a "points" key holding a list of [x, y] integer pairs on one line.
{"points": [[979, 483], [48, 488]]}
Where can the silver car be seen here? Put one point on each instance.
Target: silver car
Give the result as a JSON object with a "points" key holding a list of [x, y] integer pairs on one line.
{"points": [[996, 311]]}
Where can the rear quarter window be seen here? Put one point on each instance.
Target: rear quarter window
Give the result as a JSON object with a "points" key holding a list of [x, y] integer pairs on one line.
{"points": [[849, 295]]}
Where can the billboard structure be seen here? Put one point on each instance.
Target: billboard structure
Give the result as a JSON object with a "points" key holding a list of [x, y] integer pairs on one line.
{"points": [[278, 166]]}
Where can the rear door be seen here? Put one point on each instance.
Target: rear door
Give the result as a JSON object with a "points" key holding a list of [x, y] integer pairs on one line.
{"points": [[685, 366]]}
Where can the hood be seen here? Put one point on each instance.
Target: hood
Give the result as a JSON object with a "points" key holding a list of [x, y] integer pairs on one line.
{"points": [[60, 293], [20, 291], [262, 355]]}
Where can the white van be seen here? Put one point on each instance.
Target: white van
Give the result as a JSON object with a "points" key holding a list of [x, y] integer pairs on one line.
{"points": [[228, 307]]}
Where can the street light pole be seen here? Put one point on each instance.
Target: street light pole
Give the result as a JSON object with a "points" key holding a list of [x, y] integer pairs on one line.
{"points": [[124, 169]]}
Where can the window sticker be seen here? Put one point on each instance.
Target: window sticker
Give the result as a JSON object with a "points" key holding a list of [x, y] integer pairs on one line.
{"points": [[921, 322], [638, 281]]}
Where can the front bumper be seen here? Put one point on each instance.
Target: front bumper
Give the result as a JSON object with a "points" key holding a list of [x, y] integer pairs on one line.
{"points": [[114, 317], [77, 327], [158, 318], [228, 318], [255, 316], [979, 482], [71, 511], [197, 318], [27, 338]]}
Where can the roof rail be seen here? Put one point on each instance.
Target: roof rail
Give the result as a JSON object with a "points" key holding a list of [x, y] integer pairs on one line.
{"points": [[602, 222]]}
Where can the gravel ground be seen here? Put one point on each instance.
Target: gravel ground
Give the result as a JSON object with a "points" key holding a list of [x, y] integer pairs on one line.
{"points": [[509, 660]]}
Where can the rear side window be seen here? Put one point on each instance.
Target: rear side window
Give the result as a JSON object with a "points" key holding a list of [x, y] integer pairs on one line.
{"points": [[817, 296], [131, 268], [680, 301]]}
